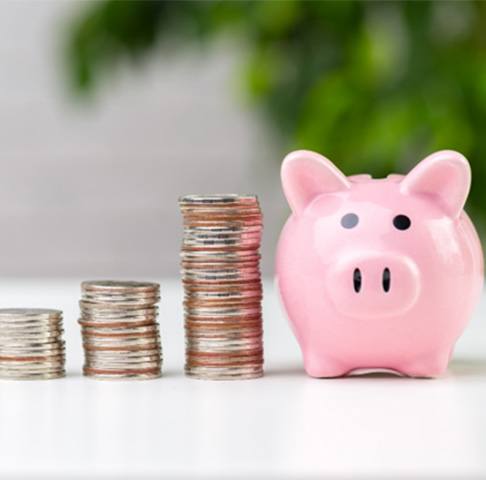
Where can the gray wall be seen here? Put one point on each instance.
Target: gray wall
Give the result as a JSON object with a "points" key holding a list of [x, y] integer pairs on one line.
{"points": [[90, 190]]}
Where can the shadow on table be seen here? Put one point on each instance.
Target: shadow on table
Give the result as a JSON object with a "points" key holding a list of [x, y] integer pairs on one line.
{"points": [[290, 370], [166, 373], [468, 367], [459, 367]]}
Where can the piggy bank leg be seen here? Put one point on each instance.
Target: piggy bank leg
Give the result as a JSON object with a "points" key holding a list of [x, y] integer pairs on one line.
{"points": [[321, 366], [429, 366]]}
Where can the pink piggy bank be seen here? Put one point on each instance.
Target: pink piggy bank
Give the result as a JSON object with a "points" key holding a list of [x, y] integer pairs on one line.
{"points": [[378, 273]]}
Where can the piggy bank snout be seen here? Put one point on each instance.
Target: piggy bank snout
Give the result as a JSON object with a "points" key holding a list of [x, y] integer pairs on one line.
{"points": [[373, 285]]}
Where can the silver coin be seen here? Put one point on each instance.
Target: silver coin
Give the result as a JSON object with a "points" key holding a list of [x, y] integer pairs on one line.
{"points": [[118, 313], [123, 367], [116, 317], [224, 374], [123, 363], [222, 231], [223, 330], [108, 360], [217, 211], [210, 358], [29, 312], [122, 323], [121, 333], [29, 354], [36, 337], [38, 368], [215, 256], [33, 329], [225, 218], [203, 232], [119, 285], [210, 354], [108, 331], [124, 348], [223, 360], [114, 297], [226, 298], [218, 279], [223, 272], [39, 350], [54, 362], [210, 262], [29, 342], [119, 316], [219, 344], [223, 239], [128, 376], [211, 312], [119, 342], [102, 309], [121, 294], [152, 350], [30, 324], [223, 222], [217, 198], [6, 375], [116, 322], [125, 303]]}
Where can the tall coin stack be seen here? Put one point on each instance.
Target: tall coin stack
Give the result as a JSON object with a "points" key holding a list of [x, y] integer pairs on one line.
{"points": [[221, 276], [121, 337], [31, 344]]}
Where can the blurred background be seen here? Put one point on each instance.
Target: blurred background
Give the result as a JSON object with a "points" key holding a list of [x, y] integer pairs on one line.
{"points": [[111, 110]]}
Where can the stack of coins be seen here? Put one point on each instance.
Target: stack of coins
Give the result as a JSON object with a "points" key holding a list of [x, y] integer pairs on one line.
{"points": [[31, 344], [121, 337], [222, 284]]}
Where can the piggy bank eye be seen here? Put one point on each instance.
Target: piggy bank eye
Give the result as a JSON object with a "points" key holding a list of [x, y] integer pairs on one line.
{"points": [[350, 220], [401, 222]]}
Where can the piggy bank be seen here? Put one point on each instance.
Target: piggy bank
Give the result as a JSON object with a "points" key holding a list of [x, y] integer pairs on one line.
{"points": [[378, 273]]}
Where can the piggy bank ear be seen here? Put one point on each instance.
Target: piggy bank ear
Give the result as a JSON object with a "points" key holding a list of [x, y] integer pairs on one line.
{"points": [[306, 175], [444, 176]]}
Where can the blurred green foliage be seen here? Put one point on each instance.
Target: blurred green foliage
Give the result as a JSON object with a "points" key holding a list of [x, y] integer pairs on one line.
{"points": [[375, 86]]}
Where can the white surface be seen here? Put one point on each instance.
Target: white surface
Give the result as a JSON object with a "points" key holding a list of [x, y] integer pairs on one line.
{"points": [[285, 424]]}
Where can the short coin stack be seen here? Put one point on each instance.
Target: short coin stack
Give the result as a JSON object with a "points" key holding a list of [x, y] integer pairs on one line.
{"points": [[31, 344], [121, 337], [222, 283]]}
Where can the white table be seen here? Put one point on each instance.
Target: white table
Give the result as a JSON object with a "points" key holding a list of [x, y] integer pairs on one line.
{"points": [[285, 424]]}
